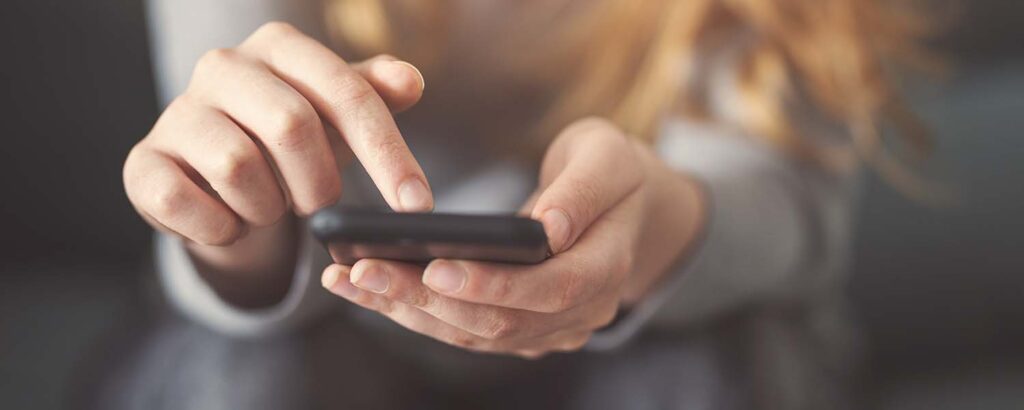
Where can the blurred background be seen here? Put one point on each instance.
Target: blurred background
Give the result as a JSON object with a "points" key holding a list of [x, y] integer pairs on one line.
{"points": [[939, 291]]}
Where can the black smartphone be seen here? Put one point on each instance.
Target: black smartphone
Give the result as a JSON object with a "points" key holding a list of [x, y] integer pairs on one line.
{"points": [[351, 234]]}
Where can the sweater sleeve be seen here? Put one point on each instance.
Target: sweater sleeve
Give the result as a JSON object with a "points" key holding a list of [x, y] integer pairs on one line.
{"points": [[195, 298], [776, 230], [182, 30]]}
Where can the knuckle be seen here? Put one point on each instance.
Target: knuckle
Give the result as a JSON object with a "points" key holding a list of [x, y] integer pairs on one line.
{"points": [[572, 290], [377, 304], [420, 299], [502, 290], [275, 29], [390, 147], [502, 326], [234, 167], [134, 177], [214, 60], [182, 110], [131, 163], [289, 126], [179, 107], [166, 200], [353, 91]]}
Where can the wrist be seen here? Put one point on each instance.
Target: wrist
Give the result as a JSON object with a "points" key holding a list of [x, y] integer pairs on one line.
{"points": [[673, 219], [255, 271]]}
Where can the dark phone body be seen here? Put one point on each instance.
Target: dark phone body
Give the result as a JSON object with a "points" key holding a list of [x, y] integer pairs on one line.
{"points": [[353, 234]]}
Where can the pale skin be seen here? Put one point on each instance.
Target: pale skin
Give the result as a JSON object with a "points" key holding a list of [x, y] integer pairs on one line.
{"points": [[261, 133]]}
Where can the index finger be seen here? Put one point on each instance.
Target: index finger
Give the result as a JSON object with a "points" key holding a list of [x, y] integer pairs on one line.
{"points": [[346, 100]]}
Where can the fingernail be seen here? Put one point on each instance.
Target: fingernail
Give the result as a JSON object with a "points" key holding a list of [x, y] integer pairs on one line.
{"points": [[372, 278], [556, 223], [414, 196], [330, 277], [423, 83], [445, 277], [340, 287]]}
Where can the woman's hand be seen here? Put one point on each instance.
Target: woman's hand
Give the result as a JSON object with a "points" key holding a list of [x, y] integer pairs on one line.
{"points": [[260, 133], [616, 218]]}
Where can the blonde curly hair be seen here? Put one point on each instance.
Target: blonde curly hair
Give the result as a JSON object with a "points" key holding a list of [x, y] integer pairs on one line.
{"points": [[623, 60]]}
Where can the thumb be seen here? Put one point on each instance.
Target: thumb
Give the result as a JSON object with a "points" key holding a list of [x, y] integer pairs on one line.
{"points": [[599, 170]]}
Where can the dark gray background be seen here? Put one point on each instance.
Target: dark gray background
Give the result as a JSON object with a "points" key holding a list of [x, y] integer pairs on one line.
{"points": [[939, 291]]}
